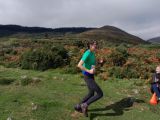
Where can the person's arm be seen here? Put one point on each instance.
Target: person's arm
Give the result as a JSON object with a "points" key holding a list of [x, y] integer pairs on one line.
{"points": [[80, 65]]}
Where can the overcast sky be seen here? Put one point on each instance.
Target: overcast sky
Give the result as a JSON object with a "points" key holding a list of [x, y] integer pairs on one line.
{"points": [[138, 17]]}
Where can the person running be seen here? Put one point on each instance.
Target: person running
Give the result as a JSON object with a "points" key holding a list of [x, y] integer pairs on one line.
{"points": [[155, 82], [87, 65]]}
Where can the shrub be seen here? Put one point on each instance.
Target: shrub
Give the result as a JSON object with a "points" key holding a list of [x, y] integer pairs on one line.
{"points": [[72, 67], [6, 81], [118, 56], [12, 64], [104, 76], [123, 72], [44, 58], [158, 55], [71, 70], [25, 80], [14, 52], [8, 50], [115, 72], [79, 44], [130, 73]]}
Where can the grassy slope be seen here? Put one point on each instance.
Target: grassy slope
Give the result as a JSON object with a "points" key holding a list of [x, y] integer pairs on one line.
{"points": [[57, 93]]}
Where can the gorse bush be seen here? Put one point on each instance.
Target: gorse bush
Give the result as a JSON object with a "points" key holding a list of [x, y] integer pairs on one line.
{"points": [[44, 58], [6, 81], [119, 56], [130, 73], [12, 64], [115, 71], [71, 68], [79, 44], [123, 72], [25, 80]]}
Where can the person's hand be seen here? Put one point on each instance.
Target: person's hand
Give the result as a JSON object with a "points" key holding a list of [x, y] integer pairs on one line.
{"points": [[92, 70], [101, 60]]}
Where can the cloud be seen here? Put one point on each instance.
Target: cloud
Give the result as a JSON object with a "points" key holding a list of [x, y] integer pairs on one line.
{"points": [[139, 17]]}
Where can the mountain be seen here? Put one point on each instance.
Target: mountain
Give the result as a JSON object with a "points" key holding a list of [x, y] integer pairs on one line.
{"points": [[105, 33], [111, 34], [6, 30], [155, 40]]}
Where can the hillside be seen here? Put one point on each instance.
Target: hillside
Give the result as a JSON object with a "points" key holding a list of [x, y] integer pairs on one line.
{"points": [[105, 34], [155, 40], [111, 34], [6, 30], [51, 95], [39, 79]]}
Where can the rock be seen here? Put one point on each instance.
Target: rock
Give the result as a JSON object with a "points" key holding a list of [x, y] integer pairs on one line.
{"points": [[135, 91], [145, 87], [34, 106], [129, 95], [9, 118], [36, 80], [55, 78], [76, 115], [24, 77]]}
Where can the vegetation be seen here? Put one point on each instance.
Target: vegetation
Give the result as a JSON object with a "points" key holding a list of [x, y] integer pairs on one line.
{"points": [[54, 94], [44, 58], [39, 79]]}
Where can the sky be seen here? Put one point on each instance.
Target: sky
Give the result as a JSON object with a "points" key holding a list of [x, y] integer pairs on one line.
{"points": [[137, 17]]}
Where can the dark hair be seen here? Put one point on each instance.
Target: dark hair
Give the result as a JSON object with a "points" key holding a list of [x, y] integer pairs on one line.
{"points": [[91, 43]]}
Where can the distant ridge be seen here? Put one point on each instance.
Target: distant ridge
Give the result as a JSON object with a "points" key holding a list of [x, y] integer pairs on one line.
{"points": [[105, 33], [13, 29], [154, 40]]}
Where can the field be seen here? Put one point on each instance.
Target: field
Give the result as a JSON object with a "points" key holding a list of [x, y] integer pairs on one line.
{"points": [[51, 95]]}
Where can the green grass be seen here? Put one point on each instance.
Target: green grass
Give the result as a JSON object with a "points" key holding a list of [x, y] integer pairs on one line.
{"points": [[55, 95]]}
